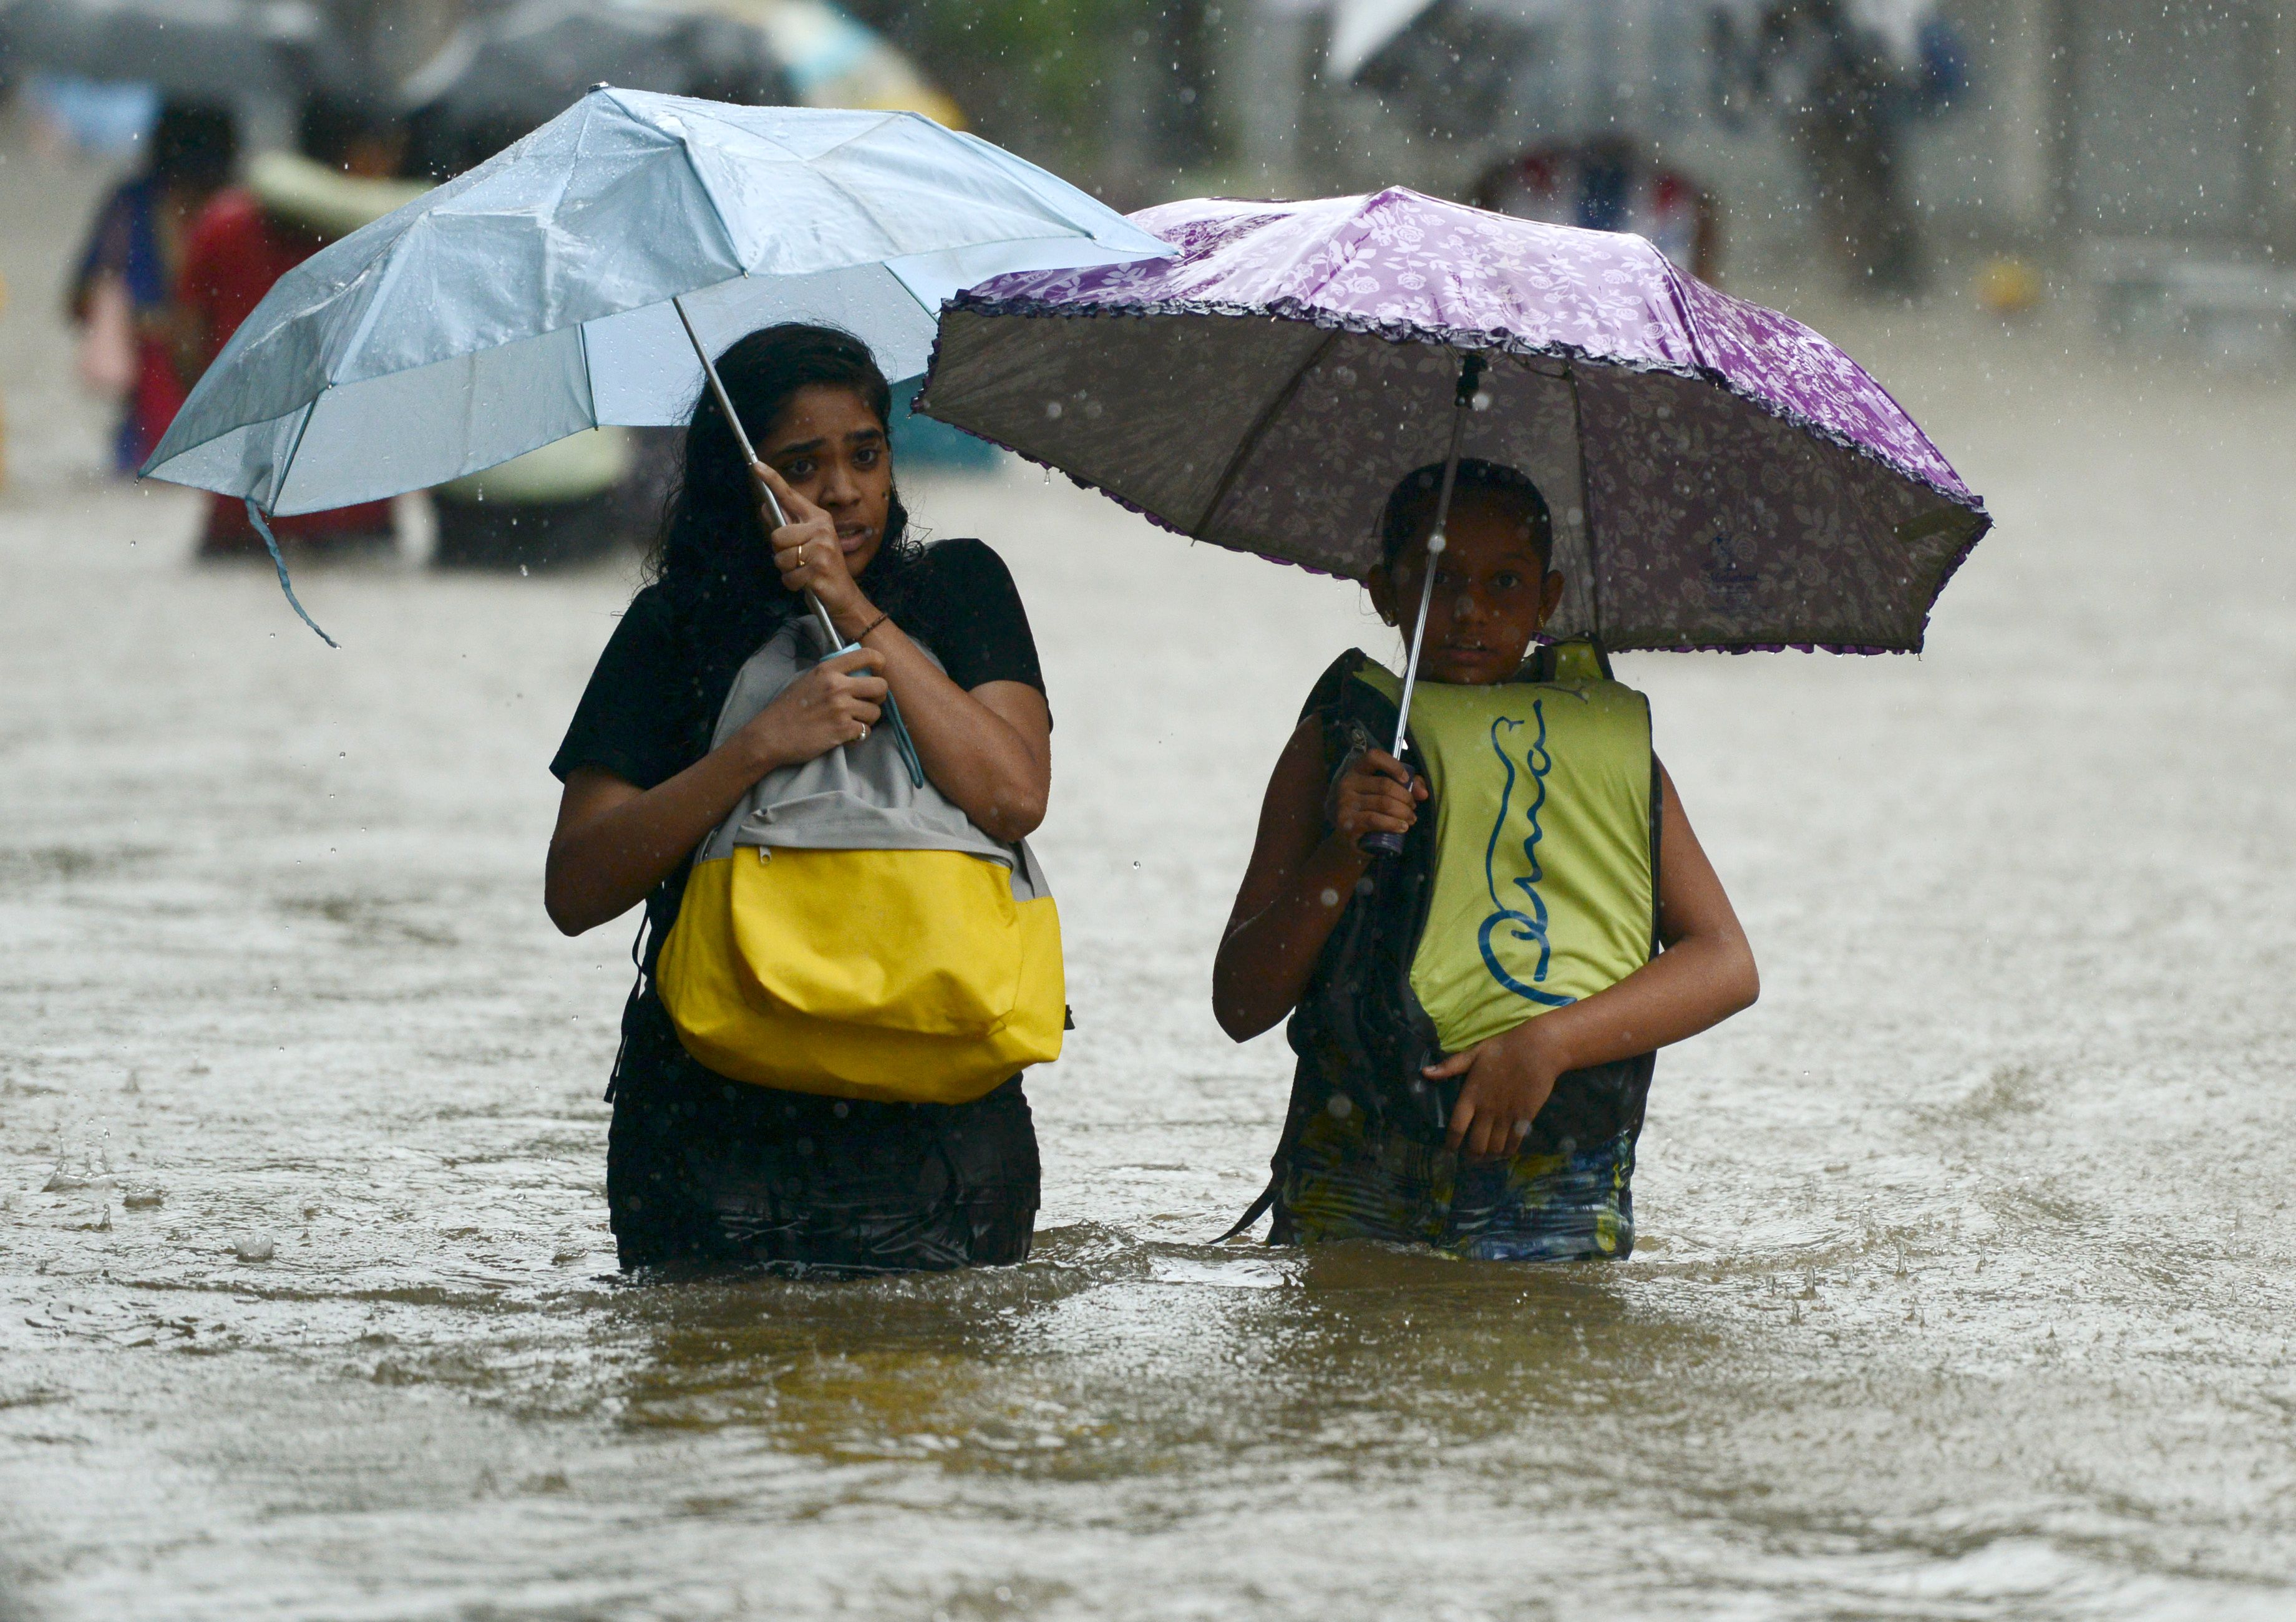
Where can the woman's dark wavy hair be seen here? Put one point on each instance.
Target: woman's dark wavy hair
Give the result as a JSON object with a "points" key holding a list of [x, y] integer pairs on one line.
{"points": [[1410, 512], [711, 556]]}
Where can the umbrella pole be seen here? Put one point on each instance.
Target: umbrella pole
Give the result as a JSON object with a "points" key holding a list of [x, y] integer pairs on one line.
{"points": [[1463, 401], [836, 643]]}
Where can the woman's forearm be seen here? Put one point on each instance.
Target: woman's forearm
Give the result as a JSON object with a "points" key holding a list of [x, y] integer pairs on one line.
{"points": [[1262, 968], [974, 756], [619, 841]]}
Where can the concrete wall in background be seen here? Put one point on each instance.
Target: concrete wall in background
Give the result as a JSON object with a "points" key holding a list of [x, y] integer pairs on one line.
{"points": [[2083, 119], [2165, 109]]}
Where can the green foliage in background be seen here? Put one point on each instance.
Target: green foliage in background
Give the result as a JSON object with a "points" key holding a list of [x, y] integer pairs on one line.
{"points": [[1043, 72], [1062, 47]]}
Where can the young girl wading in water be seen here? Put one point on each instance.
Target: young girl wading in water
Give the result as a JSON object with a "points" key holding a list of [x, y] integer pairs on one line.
{"points": [[1475, 1019], [728, 770]]}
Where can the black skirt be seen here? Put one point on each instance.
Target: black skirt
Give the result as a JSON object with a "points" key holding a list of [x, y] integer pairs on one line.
{"points": [[703, 1172]]}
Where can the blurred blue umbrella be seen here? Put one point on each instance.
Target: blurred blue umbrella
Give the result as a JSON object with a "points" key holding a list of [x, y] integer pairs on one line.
{"points": [[524, 63], [216, 49], [550, 289], [832, 61]]}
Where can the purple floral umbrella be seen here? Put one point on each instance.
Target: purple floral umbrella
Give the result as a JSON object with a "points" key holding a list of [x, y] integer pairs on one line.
{"points": [[1721, 476]]}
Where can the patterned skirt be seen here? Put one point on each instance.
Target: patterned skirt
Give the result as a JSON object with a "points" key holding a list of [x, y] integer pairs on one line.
{"points": [[703, 1172], [1346, 1179]]}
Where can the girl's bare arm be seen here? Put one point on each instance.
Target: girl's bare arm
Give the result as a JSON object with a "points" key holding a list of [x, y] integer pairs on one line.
{"points": [[1303, 871], [1705, 974]]}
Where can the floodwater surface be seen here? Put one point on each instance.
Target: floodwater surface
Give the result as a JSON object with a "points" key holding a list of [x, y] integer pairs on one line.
{"points": [[1962, 1286]]}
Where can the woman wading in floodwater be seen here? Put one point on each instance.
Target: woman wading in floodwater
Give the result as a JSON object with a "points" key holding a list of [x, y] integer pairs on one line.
{"points": [[659, 765]]}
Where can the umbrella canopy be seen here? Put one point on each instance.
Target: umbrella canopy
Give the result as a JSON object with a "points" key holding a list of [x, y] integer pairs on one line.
{"points": [[1720, 476], [216, 49], [531, 298], [524, 62]]}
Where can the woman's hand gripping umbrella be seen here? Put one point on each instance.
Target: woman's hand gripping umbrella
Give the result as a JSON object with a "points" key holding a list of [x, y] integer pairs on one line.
{"points": [[792, 534]]}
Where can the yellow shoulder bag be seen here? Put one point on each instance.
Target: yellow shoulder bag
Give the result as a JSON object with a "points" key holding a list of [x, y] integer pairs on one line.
{"points": [[849, 932]]}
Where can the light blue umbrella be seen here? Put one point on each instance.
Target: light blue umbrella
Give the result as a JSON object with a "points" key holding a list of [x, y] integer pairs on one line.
{"points": [[581, 277]]}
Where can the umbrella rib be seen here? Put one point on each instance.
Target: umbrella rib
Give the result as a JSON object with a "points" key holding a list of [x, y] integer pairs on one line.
{"points": [[589, 378], [717, 208], [393, 261], [287, 466], [855, 204], [887, 117], [1250, 441]]}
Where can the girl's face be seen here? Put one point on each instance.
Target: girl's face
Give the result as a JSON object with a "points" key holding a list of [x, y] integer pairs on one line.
{"points": [[832, 450], [1492, 593]]}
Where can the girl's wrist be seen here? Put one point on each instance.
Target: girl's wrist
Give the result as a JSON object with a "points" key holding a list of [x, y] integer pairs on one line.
{"points": [[853, 616], [760, 751], [1538, 1045]]}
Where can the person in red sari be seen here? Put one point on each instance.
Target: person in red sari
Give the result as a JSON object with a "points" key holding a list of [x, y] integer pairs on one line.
{"points": [[131, 267], [237, 249]]}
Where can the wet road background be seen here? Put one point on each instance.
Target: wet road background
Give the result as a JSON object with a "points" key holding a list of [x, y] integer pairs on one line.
{"points": [[1964, 1288]]}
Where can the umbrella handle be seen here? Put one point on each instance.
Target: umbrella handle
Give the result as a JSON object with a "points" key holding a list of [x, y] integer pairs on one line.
{"points": [[1463, 401]]}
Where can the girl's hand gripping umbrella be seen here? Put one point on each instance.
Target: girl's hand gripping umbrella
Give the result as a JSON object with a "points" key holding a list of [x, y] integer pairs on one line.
{"points": [[769, 499], [1463, 401]]}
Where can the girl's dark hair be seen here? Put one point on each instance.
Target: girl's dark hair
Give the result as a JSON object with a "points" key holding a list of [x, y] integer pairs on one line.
{"points": [[332, 125], [195, 143], [1411, 505], [711, 555]]}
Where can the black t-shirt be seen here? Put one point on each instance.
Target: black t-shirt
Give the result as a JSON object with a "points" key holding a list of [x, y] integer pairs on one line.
{"points": [[649, 709]]}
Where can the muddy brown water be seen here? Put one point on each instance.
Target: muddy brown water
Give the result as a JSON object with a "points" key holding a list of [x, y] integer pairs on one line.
{"points": [[1964, 1283]]}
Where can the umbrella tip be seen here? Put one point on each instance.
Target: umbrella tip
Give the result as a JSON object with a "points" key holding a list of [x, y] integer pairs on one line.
{"points": [[600, 85]]}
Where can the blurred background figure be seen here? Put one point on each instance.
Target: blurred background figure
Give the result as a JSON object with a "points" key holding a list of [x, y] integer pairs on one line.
{"points": [[2144, 155], [1845, 80], [1595, 107], [1611, 184], [1577, 113], [567, 504], [246, 237], [122, 295]]}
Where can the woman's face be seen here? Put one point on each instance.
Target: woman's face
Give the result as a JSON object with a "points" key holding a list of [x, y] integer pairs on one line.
{"points": [[832, 448]]}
